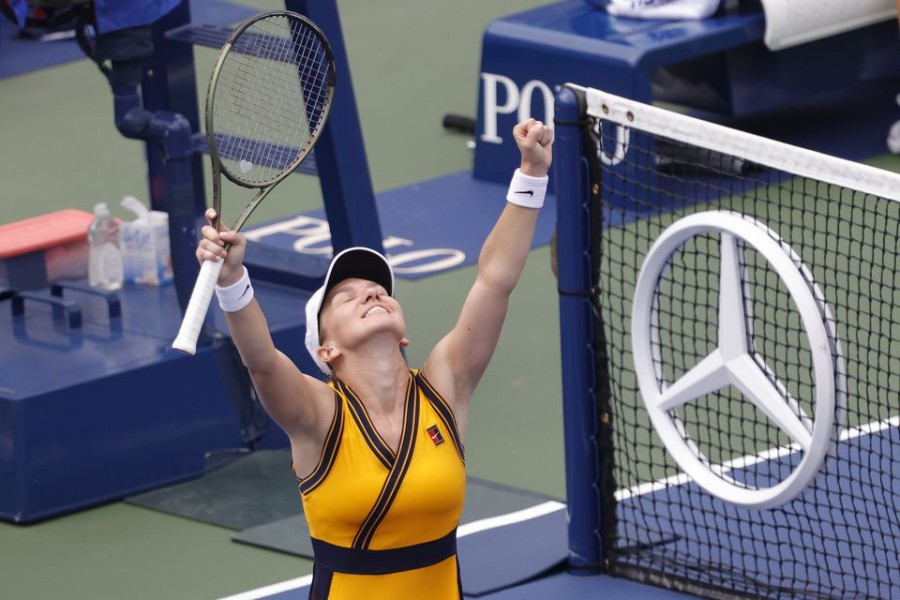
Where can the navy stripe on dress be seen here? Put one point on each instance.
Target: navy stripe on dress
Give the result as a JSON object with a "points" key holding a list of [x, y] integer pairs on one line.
{"points": [[320, 588], [329, 451], [357, 561], [398, 471], [381, 450]]}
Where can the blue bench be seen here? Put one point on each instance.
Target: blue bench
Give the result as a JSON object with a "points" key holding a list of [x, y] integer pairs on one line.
{"points": [[719, 64]]}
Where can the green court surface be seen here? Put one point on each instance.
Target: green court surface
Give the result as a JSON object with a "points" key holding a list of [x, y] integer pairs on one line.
{"points": [[411, 63]]}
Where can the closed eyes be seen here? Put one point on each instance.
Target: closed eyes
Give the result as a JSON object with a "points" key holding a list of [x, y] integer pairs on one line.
{"points": [[345, 296]]}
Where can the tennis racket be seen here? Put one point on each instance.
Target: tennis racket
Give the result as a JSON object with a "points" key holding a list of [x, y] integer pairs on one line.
{"points": [[267, 102]]}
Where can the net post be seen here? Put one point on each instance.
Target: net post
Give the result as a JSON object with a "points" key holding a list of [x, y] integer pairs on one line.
{"points": [[575, 314]]}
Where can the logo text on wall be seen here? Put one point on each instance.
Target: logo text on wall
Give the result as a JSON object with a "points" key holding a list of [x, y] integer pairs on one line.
{"points": [[313, 237], [502, 96]]}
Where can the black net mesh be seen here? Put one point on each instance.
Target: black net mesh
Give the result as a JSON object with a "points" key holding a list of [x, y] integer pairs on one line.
{"points": [[840, 536]]}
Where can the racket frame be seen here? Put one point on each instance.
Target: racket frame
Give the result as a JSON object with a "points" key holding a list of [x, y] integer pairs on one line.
{"points": [[218, 170], [195, 313]]}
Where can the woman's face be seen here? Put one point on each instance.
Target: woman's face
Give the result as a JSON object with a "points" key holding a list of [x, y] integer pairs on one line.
{"points": [[356, 309]]}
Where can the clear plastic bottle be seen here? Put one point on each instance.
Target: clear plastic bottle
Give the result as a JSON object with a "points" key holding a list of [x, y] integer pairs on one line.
{"points": [[105, 267]]}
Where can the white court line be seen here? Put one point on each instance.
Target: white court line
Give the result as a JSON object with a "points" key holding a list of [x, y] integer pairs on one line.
{"points": [[518, 516], [508, 519], [752, 459], [275, 588]]}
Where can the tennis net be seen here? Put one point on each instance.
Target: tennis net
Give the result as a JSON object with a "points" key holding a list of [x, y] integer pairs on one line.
{"points": [[747, 337]]}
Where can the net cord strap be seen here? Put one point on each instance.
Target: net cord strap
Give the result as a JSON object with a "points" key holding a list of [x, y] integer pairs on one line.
{"points": [[762, 151], [605, 440]]}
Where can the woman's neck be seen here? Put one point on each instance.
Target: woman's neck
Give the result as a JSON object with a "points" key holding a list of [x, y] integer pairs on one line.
{"points": [[381, 383]]}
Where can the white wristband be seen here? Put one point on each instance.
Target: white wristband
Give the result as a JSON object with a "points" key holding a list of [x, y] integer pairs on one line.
{"points": [[526, 190], [236, 296]]}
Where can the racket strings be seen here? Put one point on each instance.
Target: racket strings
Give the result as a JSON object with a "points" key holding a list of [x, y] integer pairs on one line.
{"points": [[271, 95]]}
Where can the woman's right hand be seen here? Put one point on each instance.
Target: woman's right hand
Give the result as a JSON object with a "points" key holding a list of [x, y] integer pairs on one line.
{"points": [[212, 247], [535, 142]]}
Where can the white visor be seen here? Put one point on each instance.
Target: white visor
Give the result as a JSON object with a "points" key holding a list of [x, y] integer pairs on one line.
{"points": [[357, 262]]}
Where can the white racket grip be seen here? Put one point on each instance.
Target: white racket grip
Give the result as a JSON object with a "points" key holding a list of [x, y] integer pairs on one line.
{"points": [[195, 314]]}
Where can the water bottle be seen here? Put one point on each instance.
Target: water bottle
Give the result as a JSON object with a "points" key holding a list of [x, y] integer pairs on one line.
{"points": [[105, 267]]}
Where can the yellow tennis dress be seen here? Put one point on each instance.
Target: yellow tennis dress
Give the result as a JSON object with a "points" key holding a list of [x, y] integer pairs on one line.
{"points": [[383, 524]]}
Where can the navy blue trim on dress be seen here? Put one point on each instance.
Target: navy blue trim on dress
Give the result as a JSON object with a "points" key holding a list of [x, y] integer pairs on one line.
{"points": [[357, 561], [320, 588], [374, 440], [329, 451], [444, 411], [398, 471]]}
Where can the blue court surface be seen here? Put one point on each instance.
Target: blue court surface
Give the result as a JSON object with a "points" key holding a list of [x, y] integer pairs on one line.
{"points": [[466, 209], [844, 511]]}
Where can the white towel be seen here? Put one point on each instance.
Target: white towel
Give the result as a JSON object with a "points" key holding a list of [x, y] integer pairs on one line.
{"points": [[793, 22], [663, 9]]}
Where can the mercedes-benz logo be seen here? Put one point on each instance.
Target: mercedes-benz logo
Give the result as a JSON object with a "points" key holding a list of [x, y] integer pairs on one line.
{"points": [[734, 363]]}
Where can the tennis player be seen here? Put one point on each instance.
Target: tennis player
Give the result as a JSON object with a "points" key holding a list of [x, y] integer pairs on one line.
{"points": [[378, 450]]}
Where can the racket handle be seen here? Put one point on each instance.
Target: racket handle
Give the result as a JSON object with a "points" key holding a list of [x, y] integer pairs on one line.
{"points": [[195, 314]]}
